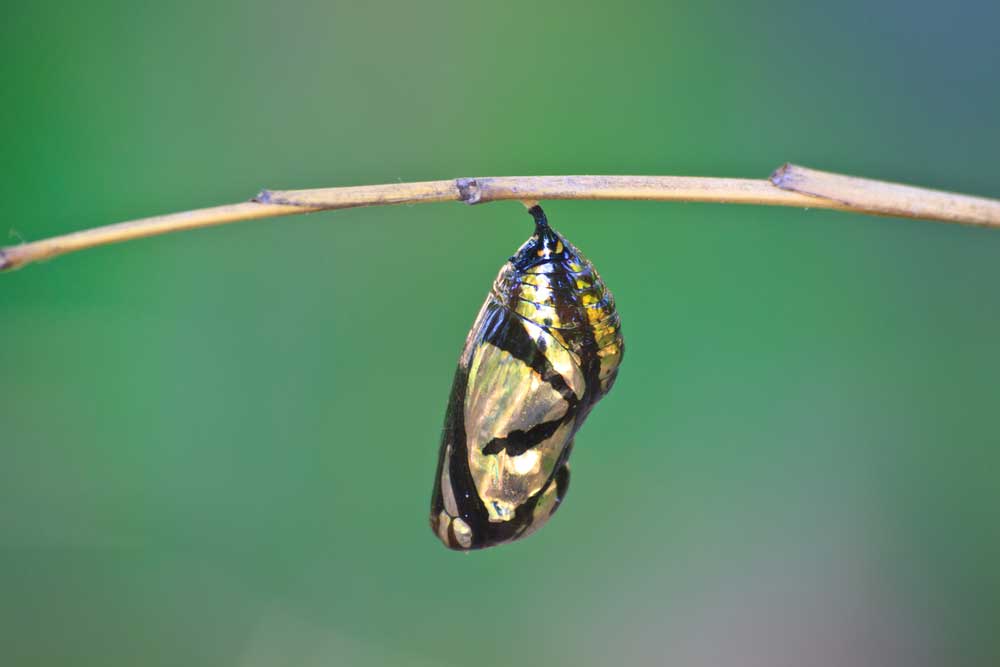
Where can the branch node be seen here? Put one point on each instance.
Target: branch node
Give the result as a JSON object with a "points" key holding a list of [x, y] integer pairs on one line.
{"points": [[469, 190], [778, 175], [263, 197]]}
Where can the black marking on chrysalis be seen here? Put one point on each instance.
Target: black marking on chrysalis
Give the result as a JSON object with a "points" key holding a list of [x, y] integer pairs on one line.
{"points": [[543, 351], [518, 442]]}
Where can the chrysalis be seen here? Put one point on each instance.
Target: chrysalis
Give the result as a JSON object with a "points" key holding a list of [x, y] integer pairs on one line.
{"points": [[543, 351]]}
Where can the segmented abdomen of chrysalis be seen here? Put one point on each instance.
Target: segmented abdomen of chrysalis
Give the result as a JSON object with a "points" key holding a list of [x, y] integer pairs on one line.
{"points": [[544, 349]]}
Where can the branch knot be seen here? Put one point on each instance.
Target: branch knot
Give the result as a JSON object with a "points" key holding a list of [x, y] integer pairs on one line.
{"points": [[469, 190]]}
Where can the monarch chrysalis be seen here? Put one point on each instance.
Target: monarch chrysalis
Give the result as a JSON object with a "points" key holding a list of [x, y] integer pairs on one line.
{"points": [[544, 349]]}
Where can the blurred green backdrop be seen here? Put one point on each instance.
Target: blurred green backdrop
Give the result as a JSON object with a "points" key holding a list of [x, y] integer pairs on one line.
{"points": [[218, 447]]}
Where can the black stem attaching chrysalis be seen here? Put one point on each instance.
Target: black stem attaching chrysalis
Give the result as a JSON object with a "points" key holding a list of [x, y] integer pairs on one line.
{"points": [[543, 351]]}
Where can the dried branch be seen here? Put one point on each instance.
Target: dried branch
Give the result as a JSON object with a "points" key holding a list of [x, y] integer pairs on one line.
{"points": [[788, 186]]}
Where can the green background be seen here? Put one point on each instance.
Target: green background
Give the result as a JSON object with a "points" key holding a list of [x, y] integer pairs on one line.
{"points": [[217, 447]]}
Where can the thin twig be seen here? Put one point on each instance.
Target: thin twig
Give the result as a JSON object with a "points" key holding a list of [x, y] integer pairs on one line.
{"points": [[882, 198], [788, 186]]}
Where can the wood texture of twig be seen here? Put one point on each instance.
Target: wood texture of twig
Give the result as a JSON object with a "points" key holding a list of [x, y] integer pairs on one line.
{"points": [[882, 198], [790, 185]]}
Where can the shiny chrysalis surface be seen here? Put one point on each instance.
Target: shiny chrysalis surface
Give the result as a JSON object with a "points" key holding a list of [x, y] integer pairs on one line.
{"points": [[543, 351]]}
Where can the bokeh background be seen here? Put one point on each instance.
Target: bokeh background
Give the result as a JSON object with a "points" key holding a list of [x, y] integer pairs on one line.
{"points": [[217, 447]]}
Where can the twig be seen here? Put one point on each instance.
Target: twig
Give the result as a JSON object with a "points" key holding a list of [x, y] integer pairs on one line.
{"points": [[881, 198], [788, 186]]}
